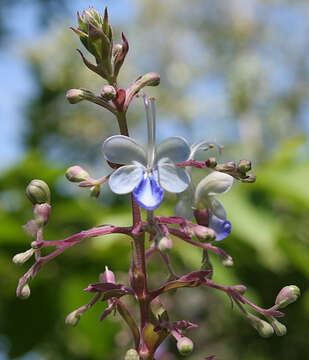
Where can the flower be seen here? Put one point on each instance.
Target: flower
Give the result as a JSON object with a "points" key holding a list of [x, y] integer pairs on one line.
{"points": [[147, 172], [213, 184], [203, 197]]}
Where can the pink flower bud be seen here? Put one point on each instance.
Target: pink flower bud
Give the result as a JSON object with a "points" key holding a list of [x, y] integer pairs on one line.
{"points": [[287, 296], [76, 174], [41, 214], [185, 346]]}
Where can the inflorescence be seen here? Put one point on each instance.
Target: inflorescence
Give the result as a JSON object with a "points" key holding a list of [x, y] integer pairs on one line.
{"points": [[146, 172]]}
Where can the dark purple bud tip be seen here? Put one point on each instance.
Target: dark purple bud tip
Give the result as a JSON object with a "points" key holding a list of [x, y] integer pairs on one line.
{"points": [[211, 162]]}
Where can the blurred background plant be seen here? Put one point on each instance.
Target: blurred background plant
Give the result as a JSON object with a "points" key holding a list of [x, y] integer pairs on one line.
{"points": [[236, 72]]}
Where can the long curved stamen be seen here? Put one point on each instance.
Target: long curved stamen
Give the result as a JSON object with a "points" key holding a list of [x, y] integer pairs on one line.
{"points": [[153, 113], [150, 133]]}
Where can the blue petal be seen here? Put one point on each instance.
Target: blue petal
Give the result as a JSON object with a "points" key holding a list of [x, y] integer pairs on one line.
{"points": [[223, 228], [148, 193]]}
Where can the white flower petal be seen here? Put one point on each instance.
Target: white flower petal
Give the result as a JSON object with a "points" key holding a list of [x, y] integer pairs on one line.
{"points": [[126, 178], [175, 148], [121, 149], [215, 206], [173, 178], [214, 183]]}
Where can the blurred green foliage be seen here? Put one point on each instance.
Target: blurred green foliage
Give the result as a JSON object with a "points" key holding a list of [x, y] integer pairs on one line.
{"points": [[189, 46]]}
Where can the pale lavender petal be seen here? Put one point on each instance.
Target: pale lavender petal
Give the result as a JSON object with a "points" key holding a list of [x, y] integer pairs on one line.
{"points": [[148, 194], [172, 178], [223, 228], [175, 148], [126, 178], [121, 149]]}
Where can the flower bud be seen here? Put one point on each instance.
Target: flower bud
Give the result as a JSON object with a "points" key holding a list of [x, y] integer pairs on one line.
{"points": [[108, 92], [211, 162], [262, 327], [250, 179], [116, 49], [23, 257], [230, 166], [95, 191], [241, 289], [75, 95], [204, 234], [74, 317], [38, 192], [279, 328], [131, 354], [185, 346], [287, 296], [164, 244], [244, 166], [25, 292], [76, 174], [41, 214], [227, 261]]}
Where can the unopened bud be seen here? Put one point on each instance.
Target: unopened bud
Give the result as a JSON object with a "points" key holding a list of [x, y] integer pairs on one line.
{"points": [[262, 327], [244, 166], [108, 92], [25, 292], [279, 328], [95, 191], [185, 346], [116, 49], [76, 174], [230, 166], [251, 178], [241, 289], [74, 317], [131, 354], [211, 162], [41, 214], [75, 95], [287, 296], [23, 257], [38, 192], [164, 244], [227, 261], [204, 234]]}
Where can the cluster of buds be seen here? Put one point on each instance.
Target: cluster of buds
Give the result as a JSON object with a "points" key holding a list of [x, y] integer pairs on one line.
{"points": [[96, 35], [39, 194]]}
